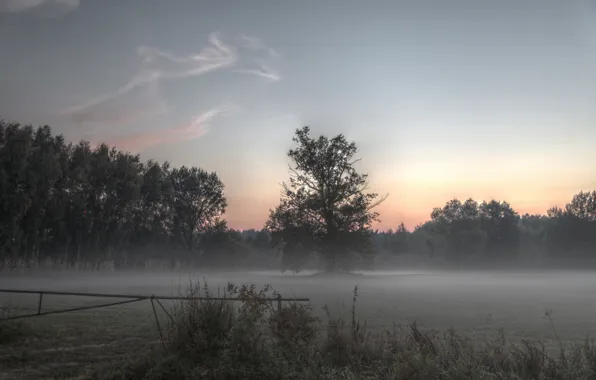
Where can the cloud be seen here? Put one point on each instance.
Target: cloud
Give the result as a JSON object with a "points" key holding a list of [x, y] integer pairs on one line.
{"points": [[143, 103], [47, 7], [255, 43], [158, 65], [196, 128], [139, 98], [264, 71], [19, 5]]}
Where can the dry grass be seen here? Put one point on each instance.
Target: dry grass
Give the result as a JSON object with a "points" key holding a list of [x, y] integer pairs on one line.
{"points": [[12, 331], [254, 340]]}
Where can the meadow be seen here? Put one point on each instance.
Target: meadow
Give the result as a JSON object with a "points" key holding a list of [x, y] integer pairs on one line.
{"points": [[476, 304]]}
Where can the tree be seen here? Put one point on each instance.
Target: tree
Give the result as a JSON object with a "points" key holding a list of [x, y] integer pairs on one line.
{"points": [[500, 222], [583, 206], [572, 230], [326, 207], [397, 242], [76, 203], [198, 204], [459, 224]]}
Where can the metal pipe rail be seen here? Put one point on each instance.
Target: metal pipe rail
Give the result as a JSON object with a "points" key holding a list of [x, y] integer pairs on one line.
{"points": [[107, 295], [131, 298]]}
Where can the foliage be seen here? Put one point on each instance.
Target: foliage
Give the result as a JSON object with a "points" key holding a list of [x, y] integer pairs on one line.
{"points": [[492, 230], [216, 339], [73, 202], [472, 228], [198, 204], [325, 207]]}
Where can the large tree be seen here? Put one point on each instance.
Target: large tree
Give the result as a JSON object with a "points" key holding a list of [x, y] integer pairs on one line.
{"points": [[325, 208]]}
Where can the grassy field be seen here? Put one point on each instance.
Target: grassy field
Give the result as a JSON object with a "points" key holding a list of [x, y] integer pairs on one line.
{"points": [[475, 304]]}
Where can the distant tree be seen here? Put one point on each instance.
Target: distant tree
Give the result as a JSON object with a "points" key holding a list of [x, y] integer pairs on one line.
{"points": [[583, 206], [262, 239], [533, 229], [397, 242], [259, 240], [198, 204], [325, 208], [571, 231], [459, 224], [500, 223], [77, 203], [470, 228], [555, 212], [224, 246]]}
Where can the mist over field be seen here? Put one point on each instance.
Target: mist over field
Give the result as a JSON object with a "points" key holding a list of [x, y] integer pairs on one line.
{"points": [[104, 222], [323, 190], [478, 302]]}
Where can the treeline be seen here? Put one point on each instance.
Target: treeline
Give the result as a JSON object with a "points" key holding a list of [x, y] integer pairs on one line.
{"points": [[73, 202], [494, 231]]}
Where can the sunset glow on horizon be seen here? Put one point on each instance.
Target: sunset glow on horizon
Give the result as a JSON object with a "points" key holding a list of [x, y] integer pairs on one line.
{"points": [[444, 101]]}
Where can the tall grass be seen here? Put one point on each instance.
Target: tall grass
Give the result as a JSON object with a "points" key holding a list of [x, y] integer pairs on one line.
{"points": [[13, 330], [253, 339]]}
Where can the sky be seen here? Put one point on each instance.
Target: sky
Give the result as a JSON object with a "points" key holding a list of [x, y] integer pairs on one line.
{"points": [[445, 99]]}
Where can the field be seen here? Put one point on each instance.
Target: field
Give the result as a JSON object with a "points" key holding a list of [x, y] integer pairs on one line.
{"points": [[476, 304]]}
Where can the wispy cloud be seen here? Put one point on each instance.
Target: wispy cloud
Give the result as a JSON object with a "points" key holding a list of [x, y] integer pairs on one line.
{"points": [[48, 7], [196, 128], [264, 71], [255, 43], [158, 64], [264, 67], [140, 98], [141, 104]]}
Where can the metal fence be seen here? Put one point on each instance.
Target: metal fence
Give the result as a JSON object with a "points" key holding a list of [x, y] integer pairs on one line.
{"points": [[130, 298]]}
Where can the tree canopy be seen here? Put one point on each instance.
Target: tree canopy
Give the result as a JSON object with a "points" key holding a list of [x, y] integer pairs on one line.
{"points": [[72, 203], [325, 207]]}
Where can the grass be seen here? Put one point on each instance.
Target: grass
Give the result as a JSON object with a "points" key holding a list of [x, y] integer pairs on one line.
{"points": [[12, 331], [64, 345], [253, 339]]}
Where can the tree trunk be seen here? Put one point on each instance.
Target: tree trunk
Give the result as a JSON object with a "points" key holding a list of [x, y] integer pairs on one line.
{"points": [[66, 249], [331, 259]]}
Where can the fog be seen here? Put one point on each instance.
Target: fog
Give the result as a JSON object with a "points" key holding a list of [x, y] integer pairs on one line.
{"points": [[472, 301]]}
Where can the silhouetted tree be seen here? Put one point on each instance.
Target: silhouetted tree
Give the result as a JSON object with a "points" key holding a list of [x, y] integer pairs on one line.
{"points": [[489, 228], [198, 204], [459, 224], [397, 242], [77, 203], [583, 206], [571, 231], [325, 207], [500, 223]]}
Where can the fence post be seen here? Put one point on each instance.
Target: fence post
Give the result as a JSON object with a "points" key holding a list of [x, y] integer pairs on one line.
{"points": [[163, 343], [39, 305], [279, 302]]}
